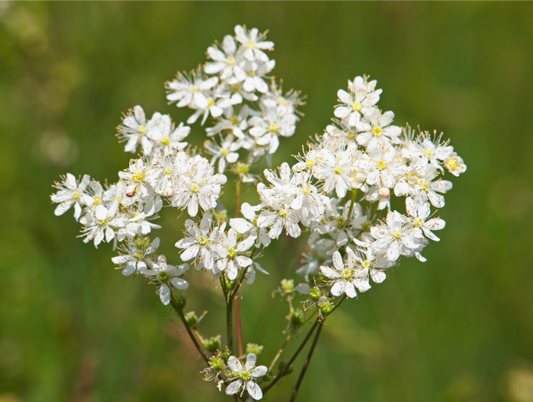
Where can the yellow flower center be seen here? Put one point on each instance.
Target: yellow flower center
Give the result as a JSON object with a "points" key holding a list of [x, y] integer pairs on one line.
{"points": [[452, 163], [138, 177], [347, 274], [193, 88], [231, 252], [141, 130], [338, 170], [273, 127], [307, 190], [194, 188], [418, 222], [210, 101], [377, 131], [351, 135], [282, 213], [366, 264], [97, 200], [168, 170], [231, 61], [224, 152], [281, 100], [76, 195], [165, 140], [202, 240], [356, 106], [309, 163], [429, 153], [382, 165], [397, 235]]}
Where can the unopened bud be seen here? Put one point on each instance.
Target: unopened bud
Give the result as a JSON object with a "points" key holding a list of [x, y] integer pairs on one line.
{"points": [[315, 294], [254, 348], [220, 215], [297, 317], [216, 363], [384, 192], [191, 318], [326, 307], [287, 285], [212, 343], [168, 192]]}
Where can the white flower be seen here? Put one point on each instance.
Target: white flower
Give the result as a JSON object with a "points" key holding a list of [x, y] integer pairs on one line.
{"points": [[336, 169], [134, 256], [396, 236], [253, 43], [225, 61], [345, 278], [455, 164], [191, 91], [70, 193], [230, 260], [198, 241], [378, 130], [199, 187], [225, 152], [419, 214], [243, 378], [362, 95], [166, 276]]}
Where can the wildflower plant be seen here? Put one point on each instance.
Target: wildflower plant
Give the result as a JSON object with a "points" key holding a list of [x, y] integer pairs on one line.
{"points": [[340, 192]]}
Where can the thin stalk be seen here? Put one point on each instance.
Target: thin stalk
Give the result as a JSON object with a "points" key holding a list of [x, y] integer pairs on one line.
{"points": [[306, 364], [189, 331], [354, 193], [237, 198], [280, 351], [229, 323], [238, 324], [294, 356]]}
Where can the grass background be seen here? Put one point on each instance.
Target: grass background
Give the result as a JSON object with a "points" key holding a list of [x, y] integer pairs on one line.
{"points": [[457, 328]]}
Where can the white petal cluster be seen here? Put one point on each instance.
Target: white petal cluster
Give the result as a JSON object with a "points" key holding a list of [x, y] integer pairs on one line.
{"points": [[244, 378], [340, 185], [251, 113]]}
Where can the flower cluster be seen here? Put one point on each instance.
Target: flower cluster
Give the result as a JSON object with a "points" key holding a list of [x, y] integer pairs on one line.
{"points": [[250, 109], [341, 191]]}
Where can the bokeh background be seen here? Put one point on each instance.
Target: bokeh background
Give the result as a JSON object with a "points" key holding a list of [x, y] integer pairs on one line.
{"points": [[457, 328]]}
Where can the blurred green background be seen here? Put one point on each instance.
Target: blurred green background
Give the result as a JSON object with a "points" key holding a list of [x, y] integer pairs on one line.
{"points": [[457, 328]]}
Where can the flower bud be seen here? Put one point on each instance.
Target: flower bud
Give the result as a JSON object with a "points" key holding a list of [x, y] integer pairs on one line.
{"points": [[287, 285], [297, 317], [225, 355], [315, 294], [216, 363], [326, 307], [191, 318], [254, 348], [168, 192], [384, 192], [220, 215], [212, 344]]}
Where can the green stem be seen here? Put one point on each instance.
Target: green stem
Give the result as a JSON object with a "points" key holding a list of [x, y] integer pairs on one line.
{"points": [[189, 331], [354, 193], [294, 356], [280, 351], [307, 361]]}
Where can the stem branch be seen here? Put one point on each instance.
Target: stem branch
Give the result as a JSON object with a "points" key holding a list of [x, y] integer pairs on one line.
{"points": [[189, 331], [307, 361]]}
